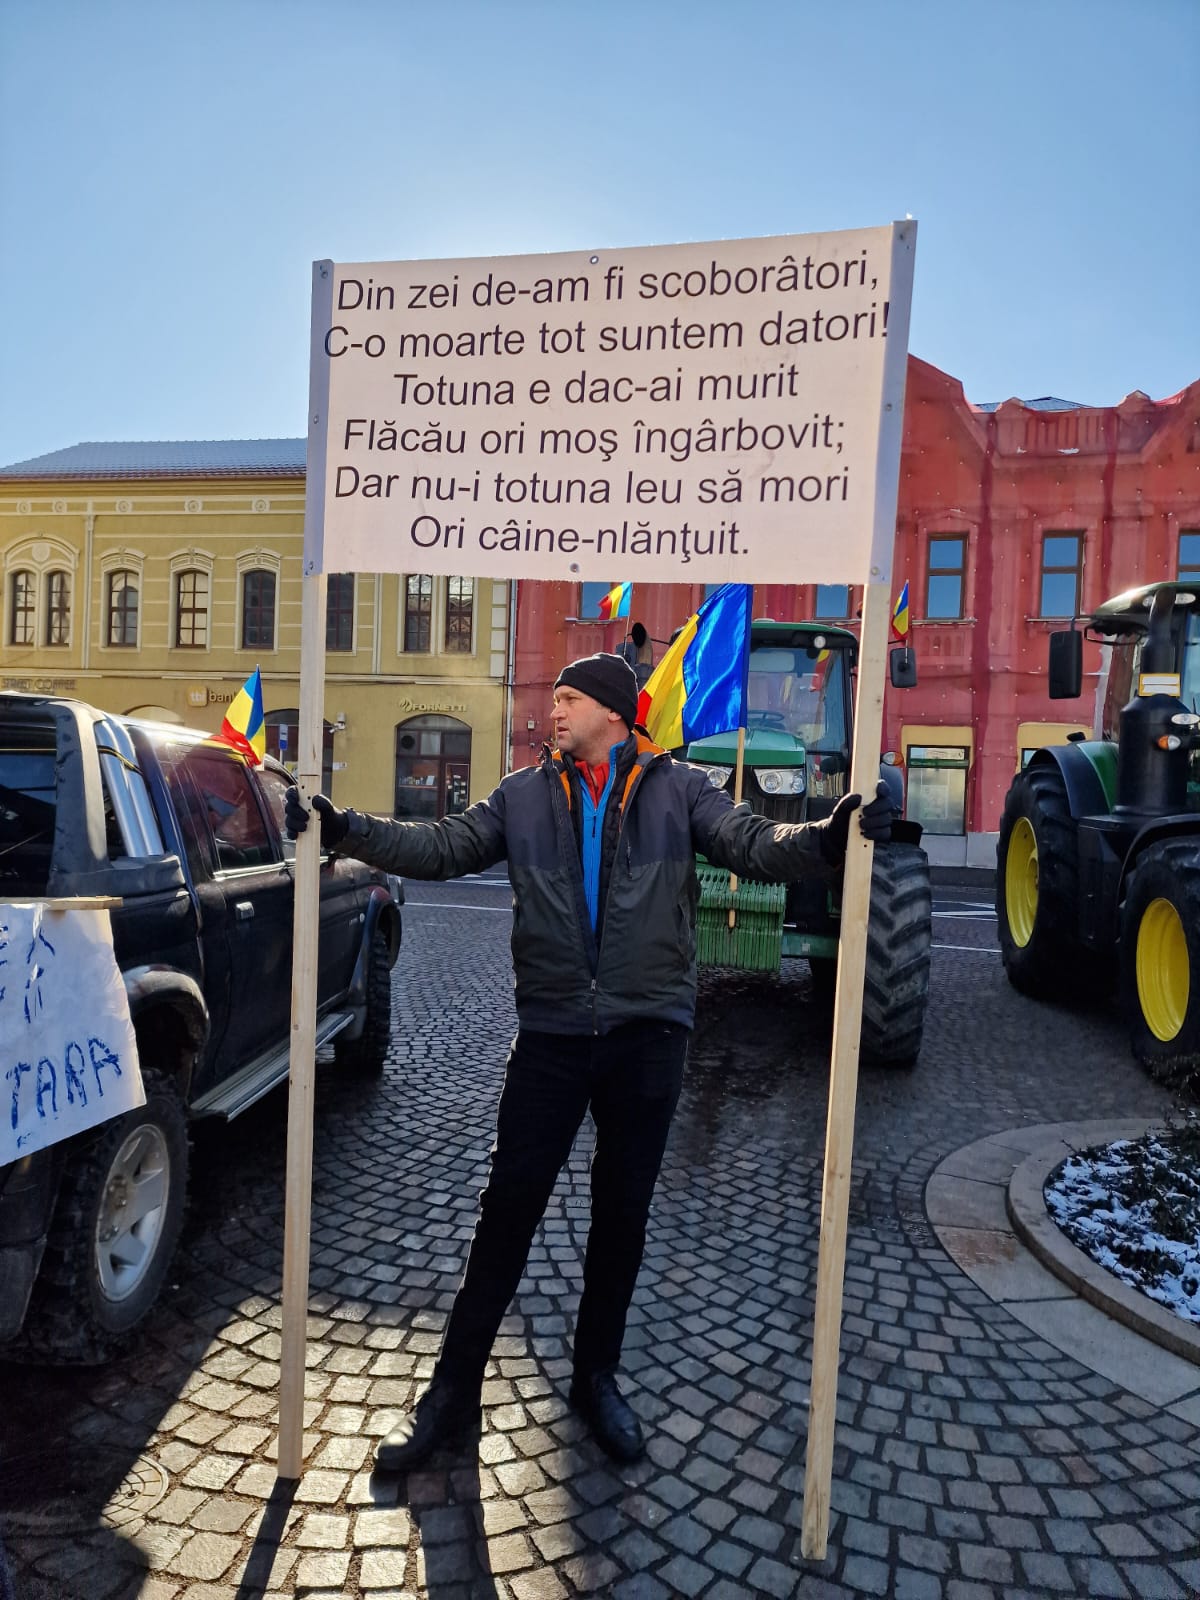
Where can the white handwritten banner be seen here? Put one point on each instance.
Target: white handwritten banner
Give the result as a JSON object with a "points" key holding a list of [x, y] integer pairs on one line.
{"points": [[68, 1058]]}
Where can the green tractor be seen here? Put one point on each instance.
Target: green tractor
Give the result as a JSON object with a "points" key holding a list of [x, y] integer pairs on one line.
{"points": [[1099, 851], [796, 764]]}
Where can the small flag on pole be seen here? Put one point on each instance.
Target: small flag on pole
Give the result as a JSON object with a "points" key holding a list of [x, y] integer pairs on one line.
{"points": [[244, 727], [900, 616], [615, 603]]}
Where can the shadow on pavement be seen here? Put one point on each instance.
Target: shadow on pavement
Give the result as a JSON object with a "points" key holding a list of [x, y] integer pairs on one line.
{"points": [[267, 1541], [75, 1465]]}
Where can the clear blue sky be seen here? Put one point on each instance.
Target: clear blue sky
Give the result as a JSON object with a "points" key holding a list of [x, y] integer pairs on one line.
{"points": [[169, 170]]}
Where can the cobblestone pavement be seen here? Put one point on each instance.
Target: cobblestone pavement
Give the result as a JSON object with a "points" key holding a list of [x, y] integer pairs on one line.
{"points": [[973, 1459]]}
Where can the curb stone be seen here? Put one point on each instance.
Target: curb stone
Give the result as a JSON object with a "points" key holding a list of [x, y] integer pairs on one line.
{"points": [[1037, 1230]]}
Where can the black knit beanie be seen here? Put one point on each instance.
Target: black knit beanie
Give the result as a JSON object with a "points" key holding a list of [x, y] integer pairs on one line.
{"points": [[607, 678]]}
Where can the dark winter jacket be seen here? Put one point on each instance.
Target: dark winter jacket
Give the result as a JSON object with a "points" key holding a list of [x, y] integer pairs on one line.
{"points": [[641, 962]]}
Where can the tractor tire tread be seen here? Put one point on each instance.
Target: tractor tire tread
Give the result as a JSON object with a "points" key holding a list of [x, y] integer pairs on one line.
{"points": [[1054, 962], [899, 945]]}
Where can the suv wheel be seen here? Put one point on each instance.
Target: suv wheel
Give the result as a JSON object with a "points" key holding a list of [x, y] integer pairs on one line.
{"points": [[115, 1227], [368, 1052]]}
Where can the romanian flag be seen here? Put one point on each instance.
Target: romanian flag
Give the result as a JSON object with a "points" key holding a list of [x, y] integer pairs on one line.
{"points": [[244, 727], [615, 603], [900, 616], [699, 686]]}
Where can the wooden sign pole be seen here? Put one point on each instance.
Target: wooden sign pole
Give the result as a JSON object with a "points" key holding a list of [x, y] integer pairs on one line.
{"points": [[297, 1221], [856, 901], [306, 921], [843, 1080]]}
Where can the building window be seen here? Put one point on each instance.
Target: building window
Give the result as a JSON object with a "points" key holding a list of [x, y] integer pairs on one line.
{"points": [[590, 596], [833, 601], [122, 608], [433, 767], [1189, 554], [944, 585], [191, 609], [418, 613], [1062, 560], [937, 787], [339, 611], [21, 628], [258, 610], [283, 742], [58, 608], [460, 612]]}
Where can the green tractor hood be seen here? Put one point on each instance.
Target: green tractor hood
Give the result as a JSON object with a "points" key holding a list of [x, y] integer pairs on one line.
{"points": [[765, 747]]}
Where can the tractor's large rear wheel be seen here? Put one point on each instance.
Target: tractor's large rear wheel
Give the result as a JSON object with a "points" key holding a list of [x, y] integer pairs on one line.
{"points": [[899, 938], [1037, 886], [1160, 957]]}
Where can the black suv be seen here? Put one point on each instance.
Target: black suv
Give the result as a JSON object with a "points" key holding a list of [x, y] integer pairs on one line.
{"points": [[190, 838]]}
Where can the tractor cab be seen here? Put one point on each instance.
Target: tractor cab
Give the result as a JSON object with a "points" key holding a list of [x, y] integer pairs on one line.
{"points": [[1099, 849], [799, 706], [1150, 705]]}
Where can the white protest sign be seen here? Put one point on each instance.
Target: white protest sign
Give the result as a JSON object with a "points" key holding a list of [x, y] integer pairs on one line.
{"points": [[673, 412], [68, 1059]]}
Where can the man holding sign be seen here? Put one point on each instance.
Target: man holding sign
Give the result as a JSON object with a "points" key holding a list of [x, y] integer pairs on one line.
{"points": [[600, 840]]}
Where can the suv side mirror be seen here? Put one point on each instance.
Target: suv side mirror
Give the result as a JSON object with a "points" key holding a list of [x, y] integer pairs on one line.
{"points": [[1066, 665], [902, 666]]}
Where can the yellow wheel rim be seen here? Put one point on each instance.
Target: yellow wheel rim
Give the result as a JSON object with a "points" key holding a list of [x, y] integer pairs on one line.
{"points": [[1163, 970], [1021, 881]]}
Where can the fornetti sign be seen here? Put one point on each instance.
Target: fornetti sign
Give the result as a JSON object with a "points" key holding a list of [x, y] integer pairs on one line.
{"points": [[701, 412]]}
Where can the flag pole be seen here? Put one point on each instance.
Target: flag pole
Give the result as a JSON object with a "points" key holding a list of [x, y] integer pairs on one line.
{"points": [[737, 800], [740, 760]]}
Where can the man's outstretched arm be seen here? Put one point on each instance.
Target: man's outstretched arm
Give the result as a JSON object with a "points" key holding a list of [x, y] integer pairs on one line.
{"points": [[447, 849]]}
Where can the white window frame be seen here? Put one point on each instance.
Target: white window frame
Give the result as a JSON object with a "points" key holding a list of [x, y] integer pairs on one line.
{"points": [[118, 561], [192, 561], [254, 561], [41, 554]]}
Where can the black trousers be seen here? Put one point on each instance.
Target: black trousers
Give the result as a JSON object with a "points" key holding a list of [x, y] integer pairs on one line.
{"points": [[630, 1080]]}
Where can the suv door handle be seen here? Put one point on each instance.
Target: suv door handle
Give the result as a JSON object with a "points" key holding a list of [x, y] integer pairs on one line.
{"points": [[244, 910]]}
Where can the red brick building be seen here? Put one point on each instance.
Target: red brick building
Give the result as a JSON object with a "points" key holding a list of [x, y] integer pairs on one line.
{"points": [[1011, 518]]}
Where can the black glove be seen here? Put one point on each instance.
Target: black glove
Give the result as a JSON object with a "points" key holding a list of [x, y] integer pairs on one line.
{"points": [[335, 824], [876, 823]]}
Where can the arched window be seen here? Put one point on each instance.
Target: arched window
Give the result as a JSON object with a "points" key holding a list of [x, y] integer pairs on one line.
{"points": [[191, 609], [433, 768], [283, 741], [58, 608], [122, 608], [258, 609], [21, 608]]}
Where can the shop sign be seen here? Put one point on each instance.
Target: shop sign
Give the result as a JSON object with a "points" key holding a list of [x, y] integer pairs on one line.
{"points": [[39, 685]]}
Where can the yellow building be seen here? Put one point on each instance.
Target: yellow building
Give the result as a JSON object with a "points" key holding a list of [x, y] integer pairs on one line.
{"points": [[154, 577]]}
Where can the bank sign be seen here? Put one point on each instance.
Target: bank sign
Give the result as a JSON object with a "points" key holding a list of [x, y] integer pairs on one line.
{"points": [[700, 412]]}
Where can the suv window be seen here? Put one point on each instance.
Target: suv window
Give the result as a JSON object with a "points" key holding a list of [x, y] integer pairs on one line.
{"points": [[28, 794], [275, 786], [190, 809], [238, 828]]}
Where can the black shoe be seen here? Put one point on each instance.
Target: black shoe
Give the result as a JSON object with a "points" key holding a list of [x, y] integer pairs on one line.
{"points": [[444, 1415], [611, 1418]]}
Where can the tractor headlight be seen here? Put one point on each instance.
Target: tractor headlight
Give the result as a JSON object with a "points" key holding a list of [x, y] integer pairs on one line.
{"points": [[717, 776], [780, 780]]}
